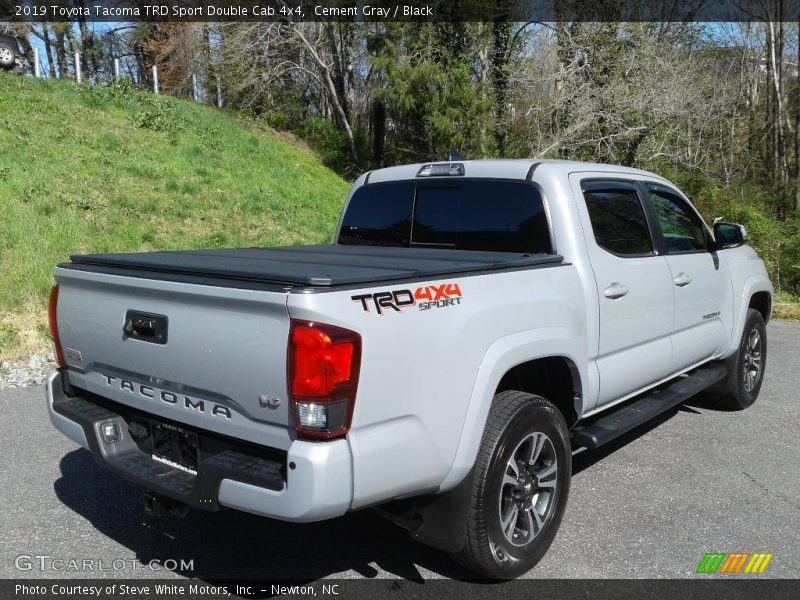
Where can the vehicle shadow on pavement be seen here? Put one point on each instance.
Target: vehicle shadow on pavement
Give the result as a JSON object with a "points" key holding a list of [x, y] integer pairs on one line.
{"points": [[236, 545], [233, 545], [587, 458]]}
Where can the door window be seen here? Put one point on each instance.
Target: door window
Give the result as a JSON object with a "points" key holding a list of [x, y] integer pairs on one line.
{"points": [[617, 217], [682, 228]]}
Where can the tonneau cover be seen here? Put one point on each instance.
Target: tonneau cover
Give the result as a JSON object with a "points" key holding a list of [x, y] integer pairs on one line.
{"points": [[323, 265]]}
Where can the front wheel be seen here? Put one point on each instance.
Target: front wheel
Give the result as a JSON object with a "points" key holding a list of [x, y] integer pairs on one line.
{"points": [[745, 368], [520, 487]]}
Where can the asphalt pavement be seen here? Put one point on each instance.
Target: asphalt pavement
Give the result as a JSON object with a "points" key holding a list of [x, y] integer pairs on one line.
{"points": [[649, 505]]}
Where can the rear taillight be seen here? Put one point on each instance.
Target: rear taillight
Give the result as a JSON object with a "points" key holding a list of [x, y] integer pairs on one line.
{"points": [[323, 366], [52, 316]]}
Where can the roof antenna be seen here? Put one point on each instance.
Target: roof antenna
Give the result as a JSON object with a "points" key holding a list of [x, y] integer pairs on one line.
{"points": [[455, 155]]}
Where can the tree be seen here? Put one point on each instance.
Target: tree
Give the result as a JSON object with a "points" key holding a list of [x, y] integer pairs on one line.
{"points": [[433, 99]]}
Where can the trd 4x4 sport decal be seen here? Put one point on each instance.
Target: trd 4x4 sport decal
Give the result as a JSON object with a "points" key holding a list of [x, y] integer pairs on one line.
{"points": [[424, 298]]}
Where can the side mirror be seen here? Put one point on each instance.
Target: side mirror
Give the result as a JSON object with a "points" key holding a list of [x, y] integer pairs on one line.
{"points": [[729, 235]]}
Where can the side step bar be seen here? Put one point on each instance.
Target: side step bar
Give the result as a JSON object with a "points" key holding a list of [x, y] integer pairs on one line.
{"points": [[631, 415]]}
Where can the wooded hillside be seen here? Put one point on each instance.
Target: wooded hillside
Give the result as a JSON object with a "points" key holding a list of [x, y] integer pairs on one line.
{"points": [[714, 106]]}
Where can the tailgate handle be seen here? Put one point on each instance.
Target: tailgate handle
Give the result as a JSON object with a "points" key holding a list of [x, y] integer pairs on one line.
{"points": [[145, 327]]}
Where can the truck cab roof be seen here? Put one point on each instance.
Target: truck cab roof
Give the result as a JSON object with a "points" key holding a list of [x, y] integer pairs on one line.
{"points": [[523, 168]]}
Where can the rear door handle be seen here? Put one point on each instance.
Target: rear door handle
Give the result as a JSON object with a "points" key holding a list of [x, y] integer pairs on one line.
{"points": [[615, 290], [682, 279]]}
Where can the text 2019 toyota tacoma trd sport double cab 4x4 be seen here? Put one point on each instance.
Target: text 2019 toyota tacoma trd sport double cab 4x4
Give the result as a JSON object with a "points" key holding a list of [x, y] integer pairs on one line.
{"points": [[473, 323]]}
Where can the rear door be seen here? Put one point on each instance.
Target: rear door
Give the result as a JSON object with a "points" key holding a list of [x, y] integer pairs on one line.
{"points": [[699, 279], [634, 285]]}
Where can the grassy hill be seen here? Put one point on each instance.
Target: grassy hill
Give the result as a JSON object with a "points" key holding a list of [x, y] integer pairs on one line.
{"points": [[110, 169]]}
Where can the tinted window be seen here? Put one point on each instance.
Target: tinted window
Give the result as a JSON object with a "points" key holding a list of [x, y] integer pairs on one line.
{"points": [[683, 231], [499, 216], [379, 215], [618, 219]]}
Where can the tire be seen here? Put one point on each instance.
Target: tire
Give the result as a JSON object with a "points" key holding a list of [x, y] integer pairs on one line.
{"points": [[7, 56], [745, 368], [501, 543]]}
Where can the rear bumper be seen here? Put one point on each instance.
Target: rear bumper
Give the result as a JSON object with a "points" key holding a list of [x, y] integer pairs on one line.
{"points": [[310, 482]]}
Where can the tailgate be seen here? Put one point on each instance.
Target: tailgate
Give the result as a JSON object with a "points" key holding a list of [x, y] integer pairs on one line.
{"points": [[211, 357]]}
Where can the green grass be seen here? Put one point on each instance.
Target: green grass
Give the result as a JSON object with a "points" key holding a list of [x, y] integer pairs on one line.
{"points": [[111, 169], [786, 306]]}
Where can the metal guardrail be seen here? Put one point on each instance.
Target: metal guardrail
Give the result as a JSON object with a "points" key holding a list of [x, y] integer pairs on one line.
{"points": [[198, 95]]}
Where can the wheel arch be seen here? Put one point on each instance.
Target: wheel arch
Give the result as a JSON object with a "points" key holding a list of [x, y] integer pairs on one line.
{"points": [[762, 302], [524, 357], [757, 293], [554, 377]]}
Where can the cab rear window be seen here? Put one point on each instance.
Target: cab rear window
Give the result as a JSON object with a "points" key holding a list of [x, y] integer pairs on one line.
{"points": [[468, 214]]}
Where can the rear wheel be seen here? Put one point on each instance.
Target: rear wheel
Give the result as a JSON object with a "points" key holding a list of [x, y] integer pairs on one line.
{"points": [[746, 368], [520, 487]]}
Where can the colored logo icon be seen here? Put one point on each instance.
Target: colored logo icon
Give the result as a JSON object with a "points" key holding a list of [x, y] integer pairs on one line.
{"points": [[734, 562]]}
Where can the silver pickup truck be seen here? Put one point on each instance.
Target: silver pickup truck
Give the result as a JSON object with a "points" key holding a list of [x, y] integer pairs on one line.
{"points": [[473, 324]]}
